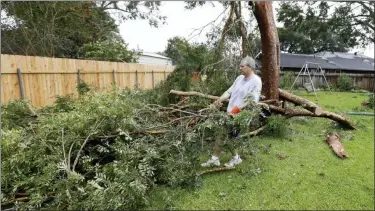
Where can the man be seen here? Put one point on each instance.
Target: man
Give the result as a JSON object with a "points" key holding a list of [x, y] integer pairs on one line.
{"points": [[248, 83]]}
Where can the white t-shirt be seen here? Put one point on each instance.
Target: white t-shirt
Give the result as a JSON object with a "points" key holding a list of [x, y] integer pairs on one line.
{"points": [[241, 88]]}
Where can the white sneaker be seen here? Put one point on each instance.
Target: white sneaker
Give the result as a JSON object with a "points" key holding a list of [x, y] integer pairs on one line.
{"points": [[211, 162], [233, 162]]}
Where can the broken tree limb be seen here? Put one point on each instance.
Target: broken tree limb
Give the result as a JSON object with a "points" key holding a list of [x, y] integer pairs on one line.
{"points": [[154, 131], [237, 10], [284, 111], [215, 170], [290, 112], [23, 199], [326, 114], [255, 132], [31, 111], [300, 101], [192, 93], [211, 97], [333, 140]]}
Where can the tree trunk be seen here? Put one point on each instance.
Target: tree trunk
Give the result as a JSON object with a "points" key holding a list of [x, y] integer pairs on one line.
{"points": [[326, 114], [300, 101], [270, 49], [237, 10], [226, 27], [284, 111]]}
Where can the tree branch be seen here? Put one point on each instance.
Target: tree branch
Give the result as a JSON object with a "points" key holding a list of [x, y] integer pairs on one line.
{"points": [[237, 10], [83, 145], [203, 27]]}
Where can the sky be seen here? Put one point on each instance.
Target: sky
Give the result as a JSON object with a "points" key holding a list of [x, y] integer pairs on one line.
{"points": [[180, 22]]}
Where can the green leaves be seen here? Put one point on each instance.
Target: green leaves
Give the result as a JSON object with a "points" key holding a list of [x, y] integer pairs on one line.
{"points": [[16, 113], [344, 83], [54, 29], [108, 50], [314, 29], [94, 152]]}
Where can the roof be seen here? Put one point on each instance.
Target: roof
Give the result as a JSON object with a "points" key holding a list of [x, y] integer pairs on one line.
{"points": [[154, 55], [327, 61]]}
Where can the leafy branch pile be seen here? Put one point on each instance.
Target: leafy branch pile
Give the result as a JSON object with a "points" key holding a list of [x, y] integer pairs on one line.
{"points": [[106, 151]]}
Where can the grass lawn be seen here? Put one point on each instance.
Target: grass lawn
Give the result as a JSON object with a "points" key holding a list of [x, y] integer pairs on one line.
{"points": [[311, 177]]}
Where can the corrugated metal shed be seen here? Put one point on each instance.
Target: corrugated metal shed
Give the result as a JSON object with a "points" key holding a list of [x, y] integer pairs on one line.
{"points": [[153, 58]]}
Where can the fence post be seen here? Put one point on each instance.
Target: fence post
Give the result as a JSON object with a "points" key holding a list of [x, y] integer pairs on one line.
{"points": [[153, 81], [79, 76], [20, 83], [144, 75], [114, 76], [136, 79], [164, 75]]}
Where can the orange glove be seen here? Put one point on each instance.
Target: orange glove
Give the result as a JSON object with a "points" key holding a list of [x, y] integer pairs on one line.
{"points": [[235, 110]]}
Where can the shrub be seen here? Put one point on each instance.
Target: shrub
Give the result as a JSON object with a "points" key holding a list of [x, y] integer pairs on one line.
{"points": [[286, 80], [370, 100], [344, 83], [15, 114], [277, 126]]}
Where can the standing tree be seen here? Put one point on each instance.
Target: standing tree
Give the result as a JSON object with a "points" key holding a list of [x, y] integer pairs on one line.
{"points": [[71, 29], [311, 27], [263, 13], [52, 28], [270, 48], [113, 48], [190, 56], [131, 10]]}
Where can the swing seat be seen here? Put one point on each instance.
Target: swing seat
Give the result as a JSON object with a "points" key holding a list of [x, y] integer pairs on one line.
{"points": [[308, 87]]}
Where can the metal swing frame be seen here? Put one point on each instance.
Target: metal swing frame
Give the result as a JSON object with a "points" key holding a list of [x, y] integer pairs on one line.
{"points": [[305, 71]]}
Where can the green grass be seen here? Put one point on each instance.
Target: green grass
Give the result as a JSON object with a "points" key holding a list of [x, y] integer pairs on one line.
{"points": [[311, 178]]}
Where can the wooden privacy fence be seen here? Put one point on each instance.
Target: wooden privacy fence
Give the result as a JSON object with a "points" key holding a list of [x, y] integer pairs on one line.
{"points": [[363, 81], [41, 79]]}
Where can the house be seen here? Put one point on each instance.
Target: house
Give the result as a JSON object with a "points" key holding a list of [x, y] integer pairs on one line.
{"points": [[336, 62], [153, 59], [359, 67]]}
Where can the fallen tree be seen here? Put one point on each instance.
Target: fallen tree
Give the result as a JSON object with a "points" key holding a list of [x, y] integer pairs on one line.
{"points": [[300, 101], [326, 114], [105, 151], [313, 109]]}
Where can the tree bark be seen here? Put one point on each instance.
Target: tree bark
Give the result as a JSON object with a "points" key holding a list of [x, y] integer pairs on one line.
{"points": [[270, 48], [212, 97], [326, 114], [300, 101], [226, 27], [215, 170], [192, 93], [227, 23], [255, 132], [237, 10], [333, 140], [284, 111]]}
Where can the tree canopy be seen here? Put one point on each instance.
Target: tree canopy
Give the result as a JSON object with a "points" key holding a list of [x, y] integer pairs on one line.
{"points": [[71, 29], [312, 27]]}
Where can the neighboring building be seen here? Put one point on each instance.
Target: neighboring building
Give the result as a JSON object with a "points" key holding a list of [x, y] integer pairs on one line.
{"points": [[359, 67], [153, 59], [330, 62]]}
